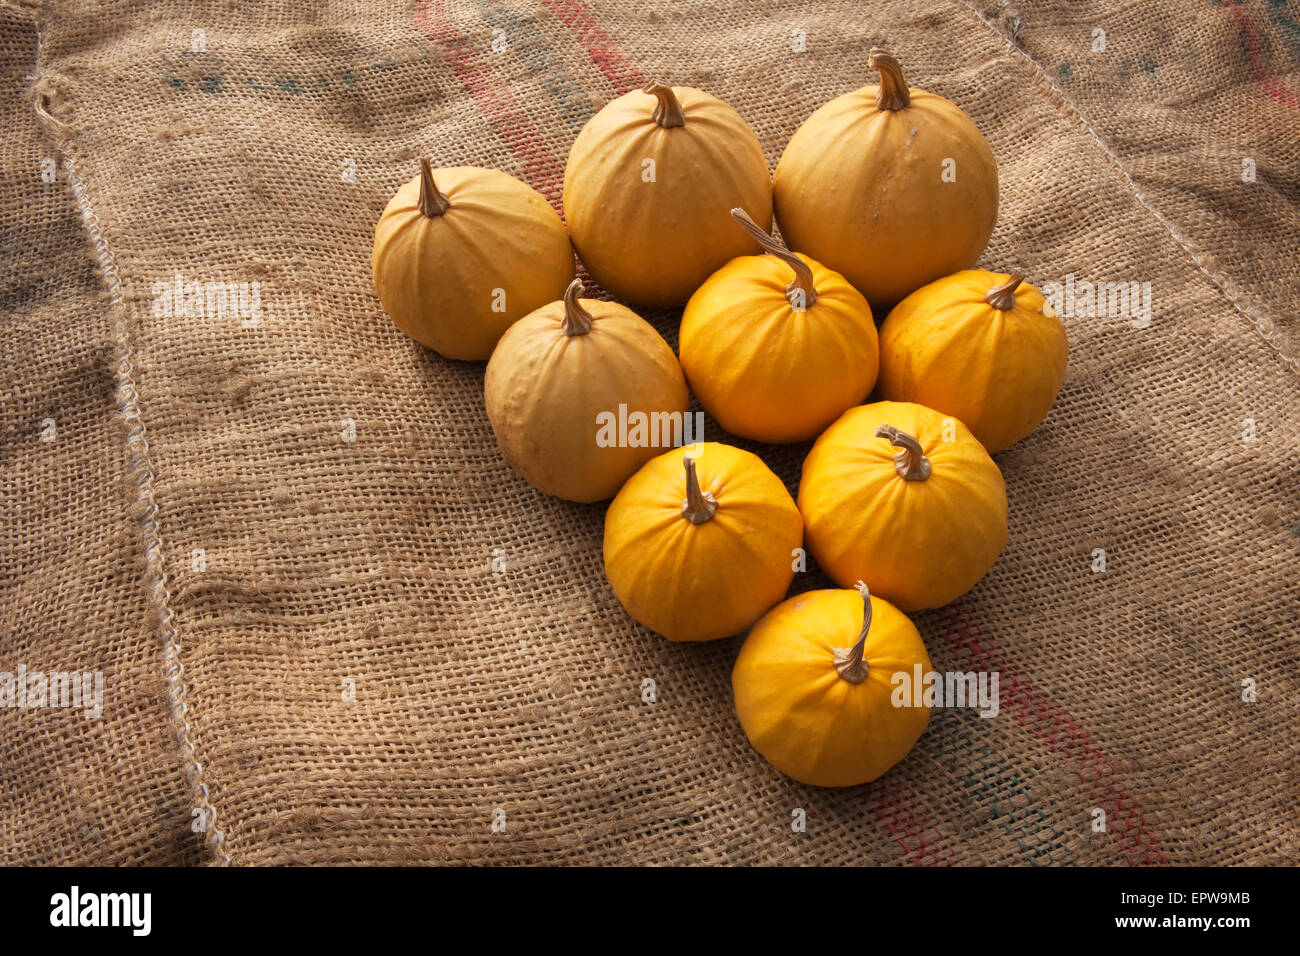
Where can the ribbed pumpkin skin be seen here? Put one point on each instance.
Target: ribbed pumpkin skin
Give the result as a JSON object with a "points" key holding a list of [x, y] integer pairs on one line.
{"points": [[860, 190], [701, 582], [766, 371], [917, 544], [806, 720], [544, 389], [655, 242], [436, 276], [998, 371]]}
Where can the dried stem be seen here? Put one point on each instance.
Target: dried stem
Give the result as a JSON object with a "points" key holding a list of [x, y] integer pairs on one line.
{"points": [[699, 506], [893, 93], [432, 202], [849, 661], [911, 462], [668, 111], [1003, 297], [801, 293], [577, 320]]}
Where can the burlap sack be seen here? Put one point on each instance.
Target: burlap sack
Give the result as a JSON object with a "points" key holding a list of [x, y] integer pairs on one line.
{"points": [[360, 685], [73, 591]]}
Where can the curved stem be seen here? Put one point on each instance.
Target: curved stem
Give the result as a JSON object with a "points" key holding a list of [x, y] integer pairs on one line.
{"points": [[801, 292], [432, 202], [911, 462], [577, 320], [893, 93], [699, 506], [849, 661], [1003, 297], [668, 111]]}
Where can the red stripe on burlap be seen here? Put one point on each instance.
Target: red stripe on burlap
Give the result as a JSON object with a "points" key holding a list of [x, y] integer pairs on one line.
{"points": [[1255, 50], [907, 825], [609, 59], [512, 126], [1065, 737]]}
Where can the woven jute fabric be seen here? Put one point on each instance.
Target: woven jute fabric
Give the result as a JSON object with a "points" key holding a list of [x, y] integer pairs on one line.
{"points": [[336, 628], [73, 593]]}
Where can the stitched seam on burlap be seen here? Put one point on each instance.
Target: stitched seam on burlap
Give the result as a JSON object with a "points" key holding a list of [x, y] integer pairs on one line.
{"points": [[141, 474], [1263, 324]]}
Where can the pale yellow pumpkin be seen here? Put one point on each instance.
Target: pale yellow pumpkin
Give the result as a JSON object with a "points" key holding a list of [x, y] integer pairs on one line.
{"points": [[814, 687], [701, 541], [890, 187], [461, 253], [561, 380], [905, 499], [648, 186], [776, 346], [981, 346]]}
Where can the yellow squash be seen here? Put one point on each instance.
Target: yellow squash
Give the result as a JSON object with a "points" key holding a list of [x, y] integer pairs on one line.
{"points": [[907, 500], [701, 541], [978, 345], [457, 261], [581, 393], [647, 188], [815, 692], [776, 346], [891, 187]]}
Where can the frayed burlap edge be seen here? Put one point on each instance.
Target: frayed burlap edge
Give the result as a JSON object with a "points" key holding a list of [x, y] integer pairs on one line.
{"points": [[1265, 325], [140, 470]]}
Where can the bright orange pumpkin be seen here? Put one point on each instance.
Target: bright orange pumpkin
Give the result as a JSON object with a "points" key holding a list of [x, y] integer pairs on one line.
{"points": [[701, 541], [814, 687], [907, 500], [777, 346], [981, 346]]}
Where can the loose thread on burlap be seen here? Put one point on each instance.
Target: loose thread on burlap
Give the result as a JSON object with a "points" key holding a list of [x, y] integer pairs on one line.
{"points": [[1263, 324], [141, 474]]}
